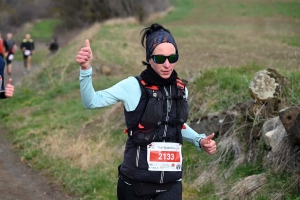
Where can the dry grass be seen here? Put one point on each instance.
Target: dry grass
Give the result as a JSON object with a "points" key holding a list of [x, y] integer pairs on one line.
{"points": [[248, 187], [90, 146], [80, 151]]}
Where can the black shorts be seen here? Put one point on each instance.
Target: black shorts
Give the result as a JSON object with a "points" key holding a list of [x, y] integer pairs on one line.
{"points": [[26, 56], [126, 192], [9, 58]]}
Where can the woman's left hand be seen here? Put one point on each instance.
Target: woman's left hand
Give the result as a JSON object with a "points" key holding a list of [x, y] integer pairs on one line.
{"points": [[208, 145]]}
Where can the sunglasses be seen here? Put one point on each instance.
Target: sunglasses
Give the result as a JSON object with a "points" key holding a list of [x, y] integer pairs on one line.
{"points": [[160, 59]]}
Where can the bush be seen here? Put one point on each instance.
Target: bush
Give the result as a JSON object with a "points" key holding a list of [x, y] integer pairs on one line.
{"points": [[14, 13], [81, 12]]}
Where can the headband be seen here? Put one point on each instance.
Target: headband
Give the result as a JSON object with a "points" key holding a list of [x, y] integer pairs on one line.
{"points": [[156, 38]]}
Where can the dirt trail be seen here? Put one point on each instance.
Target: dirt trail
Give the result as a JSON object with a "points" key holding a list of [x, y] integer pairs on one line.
{"points": [[18, 181]]}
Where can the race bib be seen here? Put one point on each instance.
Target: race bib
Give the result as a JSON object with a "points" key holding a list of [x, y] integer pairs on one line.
{"points": [[27, 52], [11, 57], [164, 156]]}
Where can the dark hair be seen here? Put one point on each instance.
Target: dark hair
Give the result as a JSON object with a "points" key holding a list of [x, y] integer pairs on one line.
{"points": [[149, 30]]}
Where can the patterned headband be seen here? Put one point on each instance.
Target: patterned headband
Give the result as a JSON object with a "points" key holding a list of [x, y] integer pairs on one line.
{"points": [[156, 38]]}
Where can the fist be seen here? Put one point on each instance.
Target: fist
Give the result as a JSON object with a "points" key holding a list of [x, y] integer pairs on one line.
{"points": [[208, 145], [85, 56], [9, 89]]}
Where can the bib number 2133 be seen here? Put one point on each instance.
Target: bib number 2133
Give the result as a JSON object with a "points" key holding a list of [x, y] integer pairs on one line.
{"points": [[164, 156]]}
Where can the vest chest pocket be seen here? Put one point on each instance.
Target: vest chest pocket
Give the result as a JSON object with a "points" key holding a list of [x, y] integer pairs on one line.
{"points": [[146, 132], [154, 111]]}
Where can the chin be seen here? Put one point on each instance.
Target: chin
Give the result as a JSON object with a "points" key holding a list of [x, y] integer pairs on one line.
{"points": [[166, 76]]}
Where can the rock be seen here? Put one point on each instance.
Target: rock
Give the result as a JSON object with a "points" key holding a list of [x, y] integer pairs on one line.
{"points": [[266, 90], [267, 110], [288, 117], [247, 187], [273, 134], [294, 134], [226, 122], [218, 123], [267, 84], [105, 70]]}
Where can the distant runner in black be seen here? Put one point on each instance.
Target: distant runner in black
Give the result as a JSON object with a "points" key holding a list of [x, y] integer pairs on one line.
{"points": [[27, 47], [53, 46]]}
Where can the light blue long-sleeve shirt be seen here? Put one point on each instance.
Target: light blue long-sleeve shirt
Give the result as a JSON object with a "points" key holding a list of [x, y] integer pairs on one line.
{"points": [[129, 92]]}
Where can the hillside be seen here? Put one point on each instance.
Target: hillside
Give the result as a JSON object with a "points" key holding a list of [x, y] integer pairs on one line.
{"points": [[221, 45]]}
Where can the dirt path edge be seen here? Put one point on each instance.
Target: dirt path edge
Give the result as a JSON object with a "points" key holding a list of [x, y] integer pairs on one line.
{"points": [[19, 181]]}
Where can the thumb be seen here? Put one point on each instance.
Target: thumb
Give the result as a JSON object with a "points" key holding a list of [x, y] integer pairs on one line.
{"points": [[9, 81], [87, 43], [211, 136]]}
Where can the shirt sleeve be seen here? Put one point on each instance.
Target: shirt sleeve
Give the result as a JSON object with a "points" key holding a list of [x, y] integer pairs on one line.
{"points": [[192, 136], [127, 91]]}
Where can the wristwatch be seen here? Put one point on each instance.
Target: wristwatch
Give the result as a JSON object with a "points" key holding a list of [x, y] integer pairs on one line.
{"points": [[199, 142]]}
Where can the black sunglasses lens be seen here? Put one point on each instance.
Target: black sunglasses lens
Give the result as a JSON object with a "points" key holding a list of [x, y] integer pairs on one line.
{"points": [[173, 58], [159, 59]]}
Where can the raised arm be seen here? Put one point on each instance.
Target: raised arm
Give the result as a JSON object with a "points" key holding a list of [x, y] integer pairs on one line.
{"points": [[128, 90]]}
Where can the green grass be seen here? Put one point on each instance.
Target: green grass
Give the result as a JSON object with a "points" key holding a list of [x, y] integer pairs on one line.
{"points": [[41, 30], [288, 9], [182, 10], [111, 52], [293, 88], [44, 29], [227, 86], [292, 41], [249, 9]]}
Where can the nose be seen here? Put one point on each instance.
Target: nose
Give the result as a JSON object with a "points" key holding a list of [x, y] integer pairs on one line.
{"points": [[167, 63]]}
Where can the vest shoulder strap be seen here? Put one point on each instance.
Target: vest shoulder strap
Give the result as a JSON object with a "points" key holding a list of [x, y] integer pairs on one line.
{"points": [[144, 91], [180, 84]]}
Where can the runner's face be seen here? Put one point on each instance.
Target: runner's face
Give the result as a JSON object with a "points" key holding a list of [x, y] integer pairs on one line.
{"points": [[164, 70], [9, 36]]}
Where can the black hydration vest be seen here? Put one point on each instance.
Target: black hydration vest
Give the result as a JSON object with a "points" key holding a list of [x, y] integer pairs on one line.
{"points": [[159, 117]]}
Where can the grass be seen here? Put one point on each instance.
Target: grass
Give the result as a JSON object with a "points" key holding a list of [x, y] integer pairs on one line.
{"points": [[41, 30], [225, 86], [182, 10], [220, 48]]}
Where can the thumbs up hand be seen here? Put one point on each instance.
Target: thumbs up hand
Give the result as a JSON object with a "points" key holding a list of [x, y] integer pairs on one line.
{"points": [[9, 89], [208, 145], [85, 56]]}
